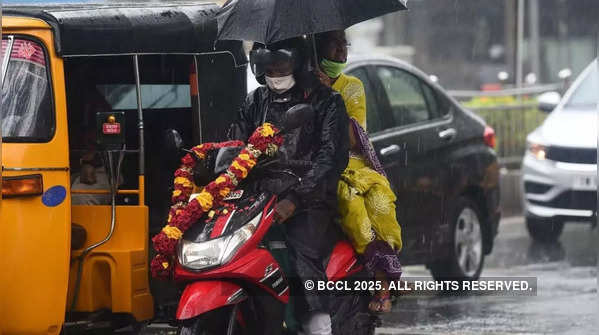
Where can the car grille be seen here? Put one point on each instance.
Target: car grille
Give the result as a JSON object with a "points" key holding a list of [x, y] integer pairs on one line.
{"points": [[572, 155], [572, 200]]}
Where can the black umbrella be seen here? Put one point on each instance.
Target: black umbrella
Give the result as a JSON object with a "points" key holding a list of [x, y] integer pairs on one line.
{"points": [[269, 21]]}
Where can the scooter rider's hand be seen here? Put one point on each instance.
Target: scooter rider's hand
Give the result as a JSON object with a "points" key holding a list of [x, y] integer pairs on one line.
{"points": [[283, 210]]}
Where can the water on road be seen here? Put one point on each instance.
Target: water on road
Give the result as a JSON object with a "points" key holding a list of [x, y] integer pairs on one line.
{"points": [[566, 301]]}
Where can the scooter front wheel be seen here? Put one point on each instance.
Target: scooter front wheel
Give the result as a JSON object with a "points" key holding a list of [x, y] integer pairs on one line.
{"points": [[222, 321]]}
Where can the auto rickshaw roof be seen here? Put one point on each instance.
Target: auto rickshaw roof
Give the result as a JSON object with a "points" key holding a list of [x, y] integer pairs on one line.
{"points": [[87, 29]]}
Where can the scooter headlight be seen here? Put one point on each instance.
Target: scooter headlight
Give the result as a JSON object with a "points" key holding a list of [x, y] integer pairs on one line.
{"points": [[202, 255]]}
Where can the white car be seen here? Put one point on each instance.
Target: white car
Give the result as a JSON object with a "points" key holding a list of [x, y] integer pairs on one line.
{"points": [[559, 170]]}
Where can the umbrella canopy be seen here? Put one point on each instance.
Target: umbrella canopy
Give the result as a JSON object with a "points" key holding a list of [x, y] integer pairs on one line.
{"points": [[270, 21]]}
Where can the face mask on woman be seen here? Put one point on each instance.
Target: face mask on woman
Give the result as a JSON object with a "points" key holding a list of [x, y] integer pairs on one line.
{"points": [[280, 85], [331, 68]]}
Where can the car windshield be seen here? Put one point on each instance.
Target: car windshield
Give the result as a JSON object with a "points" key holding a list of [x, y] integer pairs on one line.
{"points": [[585, 96]]}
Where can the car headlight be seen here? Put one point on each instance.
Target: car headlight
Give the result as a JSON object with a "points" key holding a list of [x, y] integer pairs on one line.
{"points": [[202, 255], [539, 151]]}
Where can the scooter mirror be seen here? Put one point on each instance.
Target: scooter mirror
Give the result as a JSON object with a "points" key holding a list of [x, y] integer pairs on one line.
{"points": [[297, 115], [172, 141]]}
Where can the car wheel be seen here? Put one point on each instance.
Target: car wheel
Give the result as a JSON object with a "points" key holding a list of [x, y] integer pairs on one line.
{"points": [[466, 258], [544, 230]]}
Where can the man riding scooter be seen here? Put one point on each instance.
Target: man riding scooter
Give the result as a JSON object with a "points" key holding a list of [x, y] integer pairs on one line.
{"points": [[308, 211]]}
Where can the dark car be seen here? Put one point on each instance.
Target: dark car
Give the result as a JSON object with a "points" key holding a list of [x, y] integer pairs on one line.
{"points": [[440, 160]]}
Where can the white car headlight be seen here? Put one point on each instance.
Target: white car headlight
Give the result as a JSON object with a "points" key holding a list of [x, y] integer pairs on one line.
{"points": [[202, 255], [539, 151]]}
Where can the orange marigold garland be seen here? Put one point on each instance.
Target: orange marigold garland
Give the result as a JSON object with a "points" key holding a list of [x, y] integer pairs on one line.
{"points": [[184, 185], [264, 141]]}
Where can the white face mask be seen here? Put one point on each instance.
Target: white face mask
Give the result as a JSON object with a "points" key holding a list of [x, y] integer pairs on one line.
{"points": [[280, 84]]}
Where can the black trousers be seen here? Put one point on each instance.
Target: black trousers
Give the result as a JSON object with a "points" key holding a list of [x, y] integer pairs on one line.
{"points": [[310, 236]]}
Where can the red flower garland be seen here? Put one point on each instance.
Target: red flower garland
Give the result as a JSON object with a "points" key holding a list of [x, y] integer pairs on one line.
{"points": [[265, 140]]}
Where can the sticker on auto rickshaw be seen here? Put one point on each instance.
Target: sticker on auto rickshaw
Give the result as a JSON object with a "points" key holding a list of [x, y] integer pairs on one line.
{"points": [[111, 128]]}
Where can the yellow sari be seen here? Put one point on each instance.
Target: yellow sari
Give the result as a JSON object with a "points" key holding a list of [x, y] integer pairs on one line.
{"points": [[366, 201]]}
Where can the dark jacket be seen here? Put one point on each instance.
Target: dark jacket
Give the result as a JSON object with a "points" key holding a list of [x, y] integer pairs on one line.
{"points": [[323, 140]]}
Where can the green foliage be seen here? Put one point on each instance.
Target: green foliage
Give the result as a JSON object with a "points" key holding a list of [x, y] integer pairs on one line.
{"points": [[512, 120]]}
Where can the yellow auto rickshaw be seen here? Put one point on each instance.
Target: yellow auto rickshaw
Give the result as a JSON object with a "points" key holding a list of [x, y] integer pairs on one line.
{"points": [[88, 93]]}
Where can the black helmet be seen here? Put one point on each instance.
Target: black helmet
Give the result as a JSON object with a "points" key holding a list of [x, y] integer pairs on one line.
{"points": [[288, 51]]}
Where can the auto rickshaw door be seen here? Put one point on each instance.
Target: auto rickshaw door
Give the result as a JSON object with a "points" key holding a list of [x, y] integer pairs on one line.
{"points": [[36, 210]]}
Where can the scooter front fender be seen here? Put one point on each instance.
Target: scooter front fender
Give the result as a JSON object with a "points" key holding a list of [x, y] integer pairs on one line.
{"points": [[207, 295]]}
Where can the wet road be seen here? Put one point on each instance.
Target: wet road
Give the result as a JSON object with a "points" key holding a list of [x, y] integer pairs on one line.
{"points": [[566, 301]]}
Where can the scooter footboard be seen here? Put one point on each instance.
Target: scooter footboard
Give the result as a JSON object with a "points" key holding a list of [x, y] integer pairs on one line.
{"points": [[206, 295]]}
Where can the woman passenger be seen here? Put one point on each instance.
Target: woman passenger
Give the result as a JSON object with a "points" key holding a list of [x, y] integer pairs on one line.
{"points": [[366, 201]]}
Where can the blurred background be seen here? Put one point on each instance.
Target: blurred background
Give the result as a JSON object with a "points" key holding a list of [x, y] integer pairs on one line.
{"points": [[467, 43]]}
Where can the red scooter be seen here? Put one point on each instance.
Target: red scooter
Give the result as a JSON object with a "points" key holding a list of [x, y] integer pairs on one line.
{"points": [[233, 284]]}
